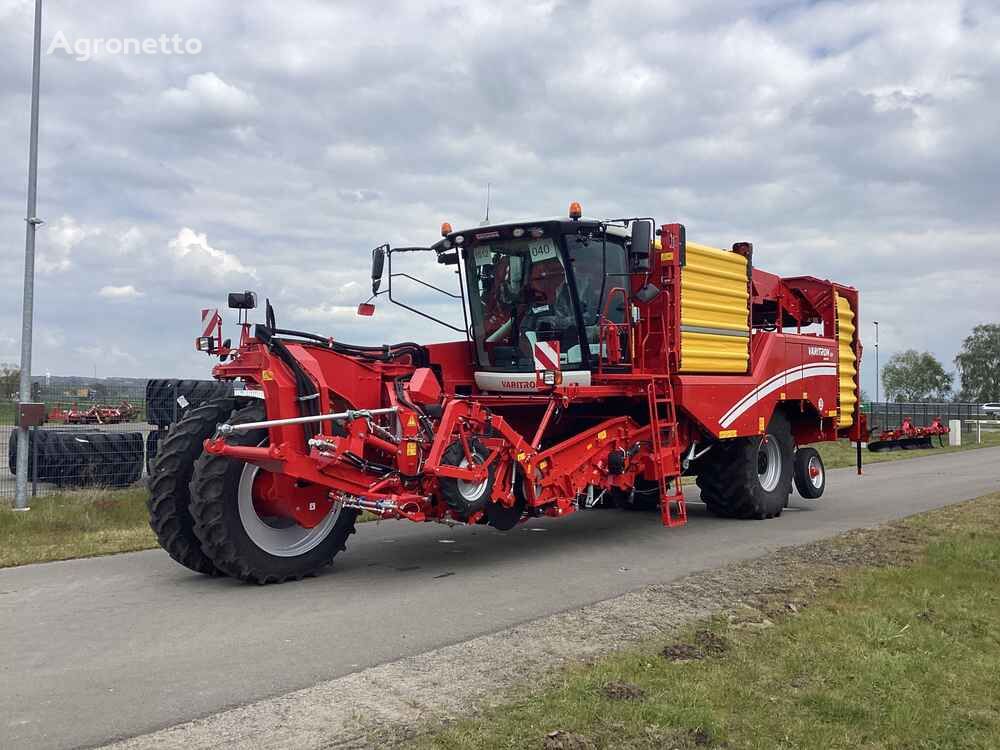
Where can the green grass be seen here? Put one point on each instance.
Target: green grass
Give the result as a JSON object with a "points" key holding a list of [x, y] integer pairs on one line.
{"points": [[83, 523], [75, 524], [842, 453], [894, 657]]}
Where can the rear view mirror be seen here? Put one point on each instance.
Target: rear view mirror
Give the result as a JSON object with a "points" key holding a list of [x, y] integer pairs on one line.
{"points": [[367, 309], [642, 243], [242, 300], [378, 266]]}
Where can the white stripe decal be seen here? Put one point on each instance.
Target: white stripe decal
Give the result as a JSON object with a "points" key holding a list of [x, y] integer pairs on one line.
{"points": [[769, 381], [773, 384]]}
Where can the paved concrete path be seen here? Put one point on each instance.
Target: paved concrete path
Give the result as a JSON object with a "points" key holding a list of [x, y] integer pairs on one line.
{"points": [[94, 650]]}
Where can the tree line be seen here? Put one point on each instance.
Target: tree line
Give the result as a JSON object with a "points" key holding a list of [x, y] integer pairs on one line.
{"points": [[919, 376]]}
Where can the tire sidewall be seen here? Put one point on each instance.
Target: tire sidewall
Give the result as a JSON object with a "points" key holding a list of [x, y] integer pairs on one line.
{"points": [[224, 536], [453, 456], [803, 482], [769, 503]]}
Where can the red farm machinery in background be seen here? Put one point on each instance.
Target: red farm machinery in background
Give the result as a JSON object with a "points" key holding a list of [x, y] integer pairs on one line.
{"points": [[97, 414], [908, 437], [598, 362]]}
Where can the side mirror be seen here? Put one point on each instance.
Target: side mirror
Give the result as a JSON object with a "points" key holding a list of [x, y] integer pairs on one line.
{"points": [[642, 244], [378, 266], [242, 300], [366, 309]]}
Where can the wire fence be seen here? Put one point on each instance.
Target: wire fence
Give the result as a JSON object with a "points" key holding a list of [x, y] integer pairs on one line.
{"points": [[886, 414], [100, 435]]}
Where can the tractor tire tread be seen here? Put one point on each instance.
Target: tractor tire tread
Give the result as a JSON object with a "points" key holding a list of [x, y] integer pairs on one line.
{"points": [[729, 484], [216, 532], [169, 494]]}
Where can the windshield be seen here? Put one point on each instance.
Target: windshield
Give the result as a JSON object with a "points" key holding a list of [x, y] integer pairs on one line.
{"points": [[519, 296]]}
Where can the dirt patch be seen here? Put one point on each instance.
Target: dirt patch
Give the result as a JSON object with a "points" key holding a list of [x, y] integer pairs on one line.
{"points": [[623, 691], [682, 652], [711, 643], [560, 740], [659, 738]]}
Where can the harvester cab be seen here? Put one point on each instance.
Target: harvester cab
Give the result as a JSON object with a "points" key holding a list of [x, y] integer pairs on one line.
{"points": [[545, 302]]}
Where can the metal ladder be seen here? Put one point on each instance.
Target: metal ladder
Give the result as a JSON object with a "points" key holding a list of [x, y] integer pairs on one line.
{"points": [[666, 451]]}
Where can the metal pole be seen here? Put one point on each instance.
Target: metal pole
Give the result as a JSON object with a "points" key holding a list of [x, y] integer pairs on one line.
{"points": [[28, 302], [34, 460], [876, 361]]}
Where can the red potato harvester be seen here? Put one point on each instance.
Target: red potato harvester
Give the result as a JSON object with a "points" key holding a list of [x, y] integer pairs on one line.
{"points": [[598, 362]]}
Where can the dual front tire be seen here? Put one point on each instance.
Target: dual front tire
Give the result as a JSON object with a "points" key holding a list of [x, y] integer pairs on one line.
{"points": [[207, 511]]}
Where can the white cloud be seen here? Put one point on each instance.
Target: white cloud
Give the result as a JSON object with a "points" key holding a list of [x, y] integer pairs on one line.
{"points": [[850, 140], [194, 255], [206, 98], [119, 292], [56, 244]]}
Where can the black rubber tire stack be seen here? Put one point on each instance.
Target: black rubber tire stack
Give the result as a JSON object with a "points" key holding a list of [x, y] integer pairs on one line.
{"points": [[729, 483], [162, 407], [152, 448], [73, 458], [170, 479], [215, 510]]}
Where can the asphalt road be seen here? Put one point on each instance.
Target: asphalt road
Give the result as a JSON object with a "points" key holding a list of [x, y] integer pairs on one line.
{"points": [[100, 649]]}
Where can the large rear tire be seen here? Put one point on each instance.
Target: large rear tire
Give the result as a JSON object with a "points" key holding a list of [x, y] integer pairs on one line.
{"points": [[170, 476], [242, 542], [750, 477]]}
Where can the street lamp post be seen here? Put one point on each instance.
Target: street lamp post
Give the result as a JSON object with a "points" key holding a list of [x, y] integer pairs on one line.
{"points": [[28, 301]]}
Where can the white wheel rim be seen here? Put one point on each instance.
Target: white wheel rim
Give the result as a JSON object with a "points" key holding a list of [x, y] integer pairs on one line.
{"points": [[815, 471], [289, 541], [768, 463], [471, 492]]}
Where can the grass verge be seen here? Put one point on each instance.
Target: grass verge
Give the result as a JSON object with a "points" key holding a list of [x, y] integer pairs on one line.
{"points": [[900, 653], [840, 454], [84, 523], [76, 524]]}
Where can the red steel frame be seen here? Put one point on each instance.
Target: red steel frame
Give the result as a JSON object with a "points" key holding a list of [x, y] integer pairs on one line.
{"points": [[793, 371]]}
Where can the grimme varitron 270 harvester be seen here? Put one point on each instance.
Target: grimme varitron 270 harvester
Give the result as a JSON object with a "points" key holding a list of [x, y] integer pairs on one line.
{"points": [[600, 362]]}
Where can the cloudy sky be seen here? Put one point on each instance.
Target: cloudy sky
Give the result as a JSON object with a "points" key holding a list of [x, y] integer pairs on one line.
{"points": [[853, 141]]}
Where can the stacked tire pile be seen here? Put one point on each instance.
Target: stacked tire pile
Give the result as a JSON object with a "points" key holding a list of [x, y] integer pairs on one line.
{"points": [[71, 458], [168, 400]]}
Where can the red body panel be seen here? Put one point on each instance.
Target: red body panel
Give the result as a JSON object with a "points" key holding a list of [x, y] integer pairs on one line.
{"points": [[786, 369]]}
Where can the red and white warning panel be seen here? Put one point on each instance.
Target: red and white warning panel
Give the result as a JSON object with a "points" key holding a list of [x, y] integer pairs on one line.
{"points": [[546, 355], [210, 339], [210, 321]]}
